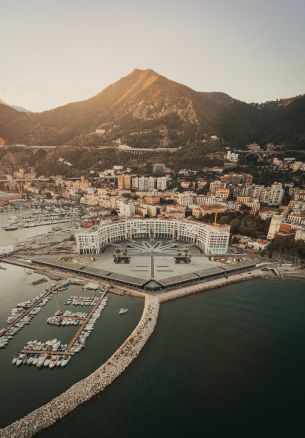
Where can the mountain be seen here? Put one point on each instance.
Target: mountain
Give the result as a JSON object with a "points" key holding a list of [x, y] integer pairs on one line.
{"points": [[146, 109], [16, 107]]}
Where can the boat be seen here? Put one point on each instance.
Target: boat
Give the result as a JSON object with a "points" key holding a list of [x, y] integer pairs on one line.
{"points": [[14, 360], [59, 361], [41, 360], [123, 311], [35, 359], [56, 228], [65, 361], [10, 227], [19, 361], [30, 360], [47, 361], [53, 362]]}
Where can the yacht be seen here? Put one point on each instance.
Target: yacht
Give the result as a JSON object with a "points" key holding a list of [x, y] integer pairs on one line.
{"points": [[123, 311], [10, 227], [41, 360], [53, 361], [59, 361], [65, 361], [47, 361], [19, 360], [35, 359]]}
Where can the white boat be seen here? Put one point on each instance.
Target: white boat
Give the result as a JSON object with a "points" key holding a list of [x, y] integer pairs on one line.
{"points": [[41, 360], [59, 361], [65, 361], [35, 359], [47, 361], [53, 362], [10, 227], [123, 311], [19, 360]]}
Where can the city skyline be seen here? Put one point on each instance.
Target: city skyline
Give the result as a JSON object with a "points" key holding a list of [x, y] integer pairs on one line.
{"points": [[69, 51]]}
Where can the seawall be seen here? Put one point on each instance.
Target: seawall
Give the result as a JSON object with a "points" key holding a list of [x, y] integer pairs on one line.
{"points": [[212, 284]]}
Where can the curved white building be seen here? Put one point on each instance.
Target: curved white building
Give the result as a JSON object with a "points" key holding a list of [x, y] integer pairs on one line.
{"points": [[211, 240]]}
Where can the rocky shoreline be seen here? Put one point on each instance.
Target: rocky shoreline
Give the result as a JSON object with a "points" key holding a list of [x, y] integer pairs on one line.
{"points": [[84, 390]]}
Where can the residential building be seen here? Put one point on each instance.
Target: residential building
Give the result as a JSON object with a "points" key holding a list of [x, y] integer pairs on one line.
{"points": [[212, 240], [124, 182], [274, 226], [273, 195]]}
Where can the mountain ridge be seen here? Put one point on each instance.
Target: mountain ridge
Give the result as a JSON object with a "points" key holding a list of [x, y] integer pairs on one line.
{"points": [[146, 107]]}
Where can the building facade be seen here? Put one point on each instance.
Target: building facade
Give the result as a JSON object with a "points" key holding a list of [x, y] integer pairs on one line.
{"points": [[212, 240]]}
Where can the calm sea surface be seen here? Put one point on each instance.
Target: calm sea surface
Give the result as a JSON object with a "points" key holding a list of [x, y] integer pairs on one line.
{"points": [[226, 363]]}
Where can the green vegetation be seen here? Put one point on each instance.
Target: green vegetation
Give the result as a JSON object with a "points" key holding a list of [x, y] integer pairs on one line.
{"points": [[242, 222], [287, 248]]}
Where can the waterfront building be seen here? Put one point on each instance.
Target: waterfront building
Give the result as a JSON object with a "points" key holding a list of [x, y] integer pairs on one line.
{"points": [[212, 240]]}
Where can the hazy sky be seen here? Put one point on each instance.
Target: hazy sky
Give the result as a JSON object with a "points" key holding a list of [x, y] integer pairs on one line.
{"points": [[57, 51]]}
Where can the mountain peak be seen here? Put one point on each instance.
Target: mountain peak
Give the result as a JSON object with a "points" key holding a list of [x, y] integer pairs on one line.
{"points": [[146, 71]]}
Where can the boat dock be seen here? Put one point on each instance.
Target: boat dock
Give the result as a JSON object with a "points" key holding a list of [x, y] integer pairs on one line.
{"points": [[26, 312], [85, 322], [71, 348]]}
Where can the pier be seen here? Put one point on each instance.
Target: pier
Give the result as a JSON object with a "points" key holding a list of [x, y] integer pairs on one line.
{"points": [[26, 312], [85, 322]]}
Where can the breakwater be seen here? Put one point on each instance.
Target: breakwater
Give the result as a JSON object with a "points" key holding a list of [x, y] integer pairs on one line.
{"points": [[211, 284], [92, 385]]}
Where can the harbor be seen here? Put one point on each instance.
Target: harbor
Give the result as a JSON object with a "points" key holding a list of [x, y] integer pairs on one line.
{"points": [[53, 353], [35, 386], [92, 385], [38, 218]]}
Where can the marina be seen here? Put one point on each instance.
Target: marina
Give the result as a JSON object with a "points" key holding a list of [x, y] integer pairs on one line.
{"points": [[39, 218], [31, 386], [66, 318], [50, 352]]}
